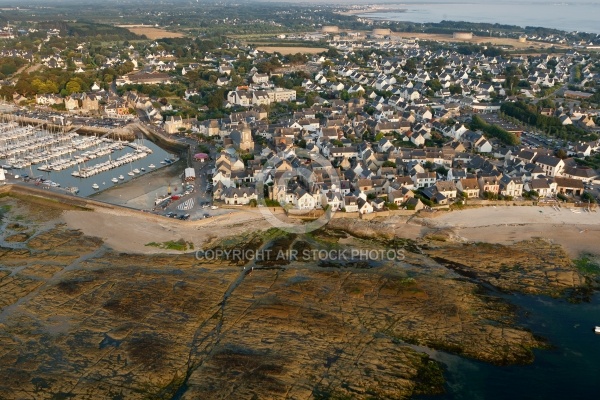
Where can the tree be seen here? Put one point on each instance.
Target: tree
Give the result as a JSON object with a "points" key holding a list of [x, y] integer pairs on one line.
{"points": [[410, 66], [455, 89], [588, 197], [73, 87], [560, 153], [434, 84], [438, 64], [215, 100]]}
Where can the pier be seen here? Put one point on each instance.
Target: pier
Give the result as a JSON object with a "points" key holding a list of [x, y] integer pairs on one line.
{"points": [[24, 146]]}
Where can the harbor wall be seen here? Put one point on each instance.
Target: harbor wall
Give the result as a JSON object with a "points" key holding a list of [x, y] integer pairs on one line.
{"points": [[183, 150], [120, 133]]}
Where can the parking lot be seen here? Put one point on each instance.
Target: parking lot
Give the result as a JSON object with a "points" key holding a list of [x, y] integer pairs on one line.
{"points": [[199, 203]]}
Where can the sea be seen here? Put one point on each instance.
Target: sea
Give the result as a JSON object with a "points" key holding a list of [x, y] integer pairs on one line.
{"points": [[574, 15], [569, 369]]}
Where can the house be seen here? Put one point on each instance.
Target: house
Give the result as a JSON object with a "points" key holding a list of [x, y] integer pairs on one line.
{"points": [[384, 145], [222, 81], [414, 204], [351, 203], [584, 174], [242, 195], [552, 166], [240, 97], [364, 185], [569, 186], [490, 184], [334, 200], [90, 102], [225, 69], [456, 174], [510, 186], [303, 200], [364, 207], [565, 120], [146, 78], [468, 187], [424, 179], [544, 187], [418, 139], [260, 78], [175, 123], [378, 204], [71, 103], [447, 188]]}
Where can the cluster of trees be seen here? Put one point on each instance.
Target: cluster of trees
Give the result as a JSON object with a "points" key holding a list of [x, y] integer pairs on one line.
{"points": [[552, 125], [291, 81], [10, 65], [92, 29], [186, 49], [161, 90], [57, 81], [268, 66], [477, 123]]}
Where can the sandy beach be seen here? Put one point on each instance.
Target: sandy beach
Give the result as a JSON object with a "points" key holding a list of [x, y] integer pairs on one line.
{"points": [[576, 232], [128, 231], [125, 230]]}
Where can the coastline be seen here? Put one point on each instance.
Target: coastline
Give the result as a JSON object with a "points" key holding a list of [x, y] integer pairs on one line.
{"points": [[129, 230], [577, 233], [96, 272], [373, 9]]}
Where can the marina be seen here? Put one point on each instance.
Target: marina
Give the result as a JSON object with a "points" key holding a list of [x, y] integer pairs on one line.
{"points": [[78, 164]]}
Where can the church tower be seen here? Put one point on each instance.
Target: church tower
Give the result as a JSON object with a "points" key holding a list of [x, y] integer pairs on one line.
{"points": [[246, 141]]}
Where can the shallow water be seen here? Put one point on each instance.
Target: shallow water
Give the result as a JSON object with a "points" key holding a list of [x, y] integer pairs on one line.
{"points": [[569, 370], [103, 180], [574, 15]]}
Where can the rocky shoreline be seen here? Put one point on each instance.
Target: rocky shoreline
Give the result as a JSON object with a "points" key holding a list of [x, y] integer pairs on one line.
{"points": [[80, 319]]}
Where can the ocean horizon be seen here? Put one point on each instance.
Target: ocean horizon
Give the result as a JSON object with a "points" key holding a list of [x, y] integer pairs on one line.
{"points": [[574, 15]]}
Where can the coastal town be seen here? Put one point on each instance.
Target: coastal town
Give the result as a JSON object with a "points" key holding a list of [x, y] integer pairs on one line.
{"points": [[264, 200], [400, 124]]}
